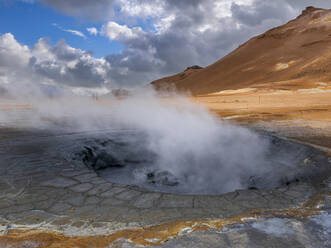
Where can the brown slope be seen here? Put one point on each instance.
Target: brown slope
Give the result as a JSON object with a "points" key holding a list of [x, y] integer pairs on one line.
{"points": [[168, 82], [299, 52]]}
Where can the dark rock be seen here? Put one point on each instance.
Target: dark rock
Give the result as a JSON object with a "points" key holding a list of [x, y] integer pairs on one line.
{"points": [[252, 188], [99, 160], [194, 67], [162, 178]]}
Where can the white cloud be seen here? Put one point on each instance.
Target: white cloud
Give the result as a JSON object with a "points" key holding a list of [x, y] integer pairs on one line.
{"points": [[164, 24], [12, 53], [115, 31], [223, 8], [41, 50], [72, 31], [141, 8], [75, 32], [92, 31], [59, 65]]}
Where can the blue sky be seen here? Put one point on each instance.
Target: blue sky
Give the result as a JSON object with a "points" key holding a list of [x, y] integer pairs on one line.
{"points": [[30, 21]]}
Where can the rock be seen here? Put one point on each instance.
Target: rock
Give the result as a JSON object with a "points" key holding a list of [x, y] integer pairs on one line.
{"points": [[108, 160], [162, 178], [99, 160], [88, 157], [100, 165], [194, 67]]}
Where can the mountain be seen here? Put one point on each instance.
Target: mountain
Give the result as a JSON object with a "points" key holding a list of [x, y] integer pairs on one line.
{"points": [[295, 55]]}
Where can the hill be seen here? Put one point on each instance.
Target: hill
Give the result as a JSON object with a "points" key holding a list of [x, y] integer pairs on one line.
{"points": [[295, 55]]}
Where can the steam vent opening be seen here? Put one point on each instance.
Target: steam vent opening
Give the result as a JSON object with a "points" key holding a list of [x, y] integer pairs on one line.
{"points": [[127, 158]]}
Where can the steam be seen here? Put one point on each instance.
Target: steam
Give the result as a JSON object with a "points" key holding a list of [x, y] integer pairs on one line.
{"points": [[191, 145]]}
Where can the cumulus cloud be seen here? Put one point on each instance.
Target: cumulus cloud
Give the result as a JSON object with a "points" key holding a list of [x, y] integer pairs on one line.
{"points": [[12, 54], [59, 66], [115, 31]]}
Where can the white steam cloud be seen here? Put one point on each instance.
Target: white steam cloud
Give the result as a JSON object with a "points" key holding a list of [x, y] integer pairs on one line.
{"points": [[191, 146]]}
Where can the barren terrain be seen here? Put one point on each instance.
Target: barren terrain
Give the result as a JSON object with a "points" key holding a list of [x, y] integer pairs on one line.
{"points": [[302, 114]]}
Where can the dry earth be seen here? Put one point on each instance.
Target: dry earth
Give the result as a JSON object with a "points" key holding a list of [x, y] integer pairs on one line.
{"points": [[302, 114]]}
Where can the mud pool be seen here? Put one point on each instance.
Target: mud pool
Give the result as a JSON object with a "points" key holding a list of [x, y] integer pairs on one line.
{"points": [[123, 157]]}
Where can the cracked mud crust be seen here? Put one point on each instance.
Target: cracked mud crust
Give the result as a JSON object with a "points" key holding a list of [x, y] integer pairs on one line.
{"points": [[158, 234], [49, 201]]}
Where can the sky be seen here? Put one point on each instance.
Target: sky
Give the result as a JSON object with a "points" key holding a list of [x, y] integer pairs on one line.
{"points": [[86, 46]]}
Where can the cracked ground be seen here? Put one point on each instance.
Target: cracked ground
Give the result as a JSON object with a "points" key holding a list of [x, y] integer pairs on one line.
{"points": [[48, 200]]}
